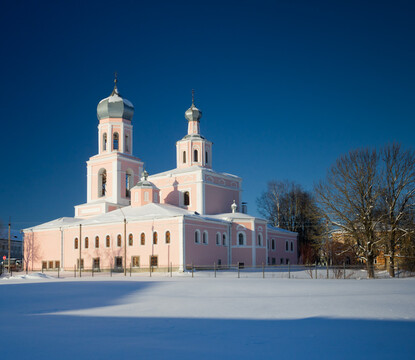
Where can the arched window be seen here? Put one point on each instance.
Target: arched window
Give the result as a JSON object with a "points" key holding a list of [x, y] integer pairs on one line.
{"points": [[143, 238], [286, 245], [184, 157], [126, 145], [273, 244], [197, 237], [205, 237], [96, 242], [128, 182], [224, 239], [75, 244], [195, 155], [155, 238], [107, 241], [130, 240], [241, 239], [104, 141], [206, 157], [186, 198], [259, 239], [102, 182], [167, 237], [217, 238], [292, 246], [86, 243], [116, 140], [118, 240]]}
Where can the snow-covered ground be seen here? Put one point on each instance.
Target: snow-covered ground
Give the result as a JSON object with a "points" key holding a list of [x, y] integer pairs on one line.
{"points": [[206, 317]]}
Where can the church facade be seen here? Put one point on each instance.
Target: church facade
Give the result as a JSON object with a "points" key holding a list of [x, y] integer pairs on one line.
{"points": [[188, 215]]}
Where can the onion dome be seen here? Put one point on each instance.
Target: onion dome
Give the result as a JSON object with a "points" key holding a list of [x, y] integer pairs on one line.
{"points": [[114, 106], [193, 113]]}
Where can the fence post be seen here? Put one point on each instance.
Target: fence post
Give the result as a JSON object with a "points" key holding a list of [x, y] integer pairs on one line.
{"points": [[111, 270], [74, 270], [214, 267], [42, 269], [316, 270], [289, 269], [193, 268], [149, 268], [344, 270], [397, 268], [238, 271], [263, 270], [58, 272], [171, 269], [131, 268]]}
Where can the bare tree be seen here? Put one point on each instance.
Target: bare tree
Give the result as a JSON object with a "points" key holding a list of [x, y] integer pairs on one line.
{"points": [[398, 197], [286, 205], [349, 198], [30, 250]]}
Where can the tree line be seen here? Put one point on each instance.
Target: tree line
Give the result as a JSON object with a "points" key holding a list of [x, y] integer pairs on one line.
{"points": [[366, 203]]}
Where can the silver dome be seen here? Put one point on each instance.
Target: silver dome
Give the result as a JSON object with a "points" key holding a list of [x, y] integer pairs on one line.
{"points": [[114, 106]]}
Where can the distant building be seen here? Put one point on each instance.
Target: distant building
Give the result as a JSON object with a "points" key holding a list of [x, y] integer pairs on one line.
{"points": [[187, 215], [16, 244]]}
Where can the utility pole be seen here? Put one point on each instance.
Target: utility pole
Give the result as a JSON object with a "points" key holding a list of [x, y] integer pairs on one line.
{"points": [[125, 246], [9, 244], [80, 245]]}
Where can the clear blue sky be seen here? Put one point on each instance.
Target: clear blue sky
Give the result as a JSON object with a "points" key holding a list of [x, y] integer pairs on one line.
{"points": [[285, 88]]}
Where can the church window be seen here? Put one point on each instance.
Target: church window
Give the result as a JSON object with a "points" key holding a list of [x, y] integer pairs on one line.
{"points": [[241, 239], [107, 241], [128, 182], [130, 240], [197, 237], [224, 239], [186, 198], [143, 239], [118, 240], [155, 238], [205, 237], [217, 238], [126, 143], [86, 243], [206, 157], [95, 263], [184, 157], [135, 261], [259, 239], [104, 142], [167, 237], [102, 182], [154, 261], [75, 245], [195, 156], [97, 242], [286, 245], [116, 140], [273, 244]]}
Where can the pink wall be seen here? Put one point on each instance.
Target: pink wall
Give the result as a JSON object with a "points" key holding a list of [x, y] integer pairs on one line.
{"points": [[219, 200]]}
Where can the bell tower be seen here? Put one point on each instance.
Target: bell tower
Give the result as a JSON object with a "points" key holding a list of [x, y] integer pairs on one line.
{"points": [[114, 170], [193, 149]]}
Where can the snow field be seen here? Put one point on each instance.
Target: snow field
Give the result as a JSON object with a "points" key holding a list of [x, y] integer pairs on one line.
{"points": [[188, 318]]}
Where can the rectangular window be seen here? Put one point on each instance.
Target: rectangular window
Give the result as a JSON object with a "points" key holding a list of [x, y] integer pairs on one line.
{"points": [[57, 264], [219, 262], [292, 246], [281, 261], [154, 261], [273, 261], [44, 265], [135, 261], [286, 245], [118, 261], [77, 263], [287, 261], [50, 264], [95, 263]]}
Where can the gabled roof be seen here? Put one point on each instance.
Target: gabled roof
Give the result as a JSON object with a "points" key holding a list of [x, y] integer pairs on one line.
{"points": [[192, 169]]}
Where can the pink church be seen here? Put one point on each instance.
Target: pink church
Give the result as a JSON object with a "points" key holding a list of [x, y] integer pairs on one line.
{"points": [[187, 215]]}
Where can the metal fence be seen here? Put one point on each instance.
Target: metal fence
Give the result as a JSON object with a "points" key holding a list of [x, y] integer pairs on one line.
{"points": [[285, 271]]}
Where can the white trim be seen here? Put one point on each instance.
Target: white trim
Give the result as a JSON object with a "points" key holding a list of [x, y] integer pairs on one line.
{"points": [[205, 232], [220, 239]]}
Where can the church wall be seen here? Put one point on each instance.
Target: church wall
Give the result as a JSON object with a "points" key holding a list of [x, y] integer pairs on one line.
{"points": [[219, 200], [205, 254], [165, 252], [280, 251], [95, 168], [41, 246]]}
